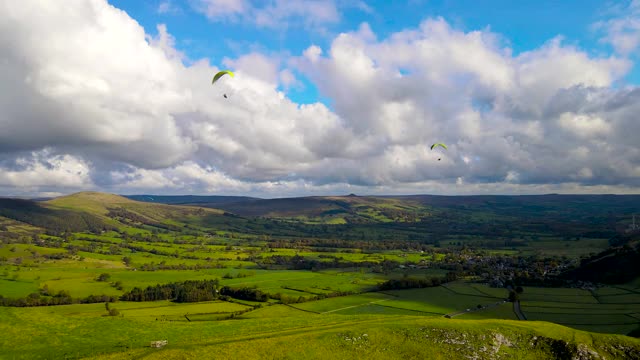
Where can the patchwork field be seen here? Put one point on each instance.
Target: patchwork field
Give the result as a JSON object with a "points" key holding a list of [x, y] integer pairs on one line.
{"points": [[606, 309], [290, 288]]}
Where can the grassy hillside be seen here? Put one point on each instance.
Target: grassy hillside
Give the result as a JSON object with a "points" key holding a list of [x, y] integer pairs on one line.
{"points": [[52, 217], [96, 212], [570, 216], [210, 201], [100, 204], [276, 332], [330, 209]]}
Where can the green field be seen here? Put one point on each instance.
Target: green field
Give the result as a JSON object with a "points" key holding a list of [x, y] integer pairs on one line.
{"points": [[343, 302], [279, 332], [606, 309], [320, 270]]}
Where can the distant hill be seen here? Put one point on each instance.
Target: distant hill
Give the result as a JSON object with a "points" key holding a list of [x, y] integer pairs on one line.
{"points": [[210, 201], [329, 209], [95, 211], [51, 217], [426, 217], [610, 212], [616, 265]]}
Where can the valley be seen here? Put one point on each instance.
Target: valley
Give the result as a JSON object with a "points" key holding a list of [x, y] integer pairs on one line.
{"points": [[99, 275]]}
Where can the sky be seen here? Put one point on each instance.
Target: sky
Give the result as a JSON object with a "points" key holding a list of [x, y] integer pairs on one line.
{"points": [[329, 97]]}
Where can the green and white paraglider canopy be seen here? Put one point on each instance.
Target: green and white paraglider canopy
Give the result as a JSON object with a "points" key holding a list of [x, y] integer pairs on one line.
{"points": [[438, 144], [221, 74]]}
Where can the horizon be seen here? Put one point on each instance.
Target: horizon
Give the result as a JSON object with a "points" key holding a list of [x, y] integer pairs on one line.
{"points": [[45, 198], [328, 97]]}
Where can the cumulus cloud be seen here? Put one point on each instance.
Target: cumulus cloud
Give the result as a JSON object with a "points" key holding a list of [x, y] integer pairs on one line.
{"points": [[622, 31], [44, 169], [99, 103]]}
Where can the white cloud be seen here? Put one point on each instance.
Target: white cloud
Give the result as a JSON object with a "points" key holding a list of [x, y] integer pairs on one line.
{"points": [[289, 80], [168, 7], [257, 66], [313, 52], [270, 14], [623, 30], [44, 169], [585, 126], [220, 9], [104, 97]]}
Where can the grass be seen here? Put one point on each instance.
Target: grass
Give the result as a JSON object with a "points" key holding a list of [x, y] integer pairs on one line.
{"points": [[343, 302], [281, 332], [612, 309], [398, 324], [503, 311], [439, 300]]}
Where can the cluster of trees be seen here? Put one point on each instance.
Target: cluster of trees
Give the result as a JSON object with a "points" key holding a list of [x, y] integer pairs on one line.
{"points": [[60, 298], [186, 291], [412, 283], [193, 291], [330, 245], [298, 262], [244, 293]]}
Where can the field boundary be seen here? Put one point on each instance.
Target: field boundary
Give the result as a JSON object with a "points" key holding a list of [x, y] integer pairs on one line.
{"points": [[420, 311], [305, 310], [354, 306]]}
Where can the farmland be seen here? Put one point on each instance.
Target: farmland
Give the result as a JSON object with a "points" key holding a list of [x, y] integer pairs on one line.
{"points": [[81, 331], [277, 278], [608, 309]]}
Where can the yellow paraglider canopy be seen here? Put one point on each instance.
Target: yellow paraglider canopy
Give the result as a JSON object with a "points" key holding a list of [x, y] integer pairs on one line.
{"points": [[221, 74]]}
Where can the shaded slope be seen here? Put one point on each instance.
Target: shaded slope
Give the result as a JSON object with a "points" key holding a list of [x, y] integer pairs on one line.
{"points": [[95, 212], [55, 219], [208, 201], [113, 207], [348, 209], [616, 265]]}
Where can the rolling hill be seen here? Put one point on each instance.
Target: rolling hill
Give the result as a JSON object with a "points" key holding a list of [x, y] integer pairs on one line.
{"points": [[210, 201], [95, 212], [313, 209]]}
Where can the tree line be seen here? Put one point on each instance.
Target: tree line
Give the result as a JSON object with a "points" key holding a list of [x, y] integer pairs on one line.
{"points": [[193, 291]]}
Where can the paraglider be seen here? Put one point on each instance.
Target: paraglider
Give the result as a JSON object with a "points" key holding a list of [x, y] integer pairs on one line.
{"points": [[221, 74], [438, 144]]}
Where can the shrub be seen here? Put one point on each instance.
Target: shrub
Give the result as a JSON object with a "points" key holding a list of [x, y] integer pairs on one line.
{"points": [[103, 277]]}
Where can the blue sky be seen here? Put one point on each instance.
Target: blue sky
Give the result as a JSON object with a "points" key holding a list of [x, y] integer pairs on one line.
{"points": [[329, 97], [523, 26]]}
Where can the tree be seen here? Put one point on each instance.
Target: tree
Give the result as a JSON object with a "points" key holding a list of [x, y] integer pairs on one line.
{"points": [[513, 296], [104, 277]]}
